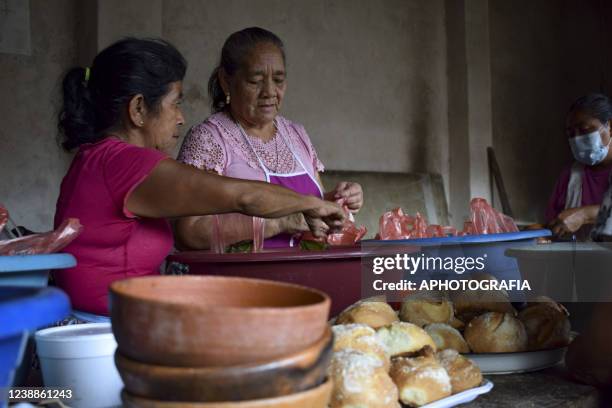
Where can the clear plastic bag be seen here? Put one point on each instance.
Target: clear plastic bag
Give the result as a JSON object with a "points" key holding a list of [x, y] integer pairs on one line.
{"points": [[235, 232], [45, 243]]}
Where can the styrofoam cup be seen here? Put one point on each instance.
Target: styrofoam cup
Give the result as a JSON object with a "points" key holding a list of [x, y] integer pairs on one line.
{"points": [[81, 358]]}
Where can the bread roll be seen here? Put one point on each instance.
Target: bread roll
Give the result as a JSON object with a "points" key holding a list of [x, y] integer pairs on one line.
{"points": [[420, 380], [401, 338], [447, 337], [361, 338], [360, 380], [495, 332], [463, 372], [547, 324], [457, 324], [424, 308], [471, 303], [372, 313]]}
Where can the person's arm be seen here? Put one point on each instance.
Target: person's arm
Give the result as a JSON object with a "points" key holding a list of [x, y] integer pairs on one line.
{"points": [[195, 232], [571, 220], [173, 190]]}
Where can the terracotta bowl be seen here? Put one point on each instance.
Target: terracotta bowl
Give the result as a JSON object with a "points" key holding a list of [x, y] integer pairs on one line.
{"points": [[315, 398], [209, 321], [295, 373]]}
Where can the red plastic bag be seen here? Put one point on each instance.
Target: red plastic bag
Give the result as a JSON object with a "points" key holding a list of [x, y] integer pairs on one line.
{"points": [[3, 217], [420, 227], [484, 219], [350, 234], [487, 220], [45, 243], [395, 224]]}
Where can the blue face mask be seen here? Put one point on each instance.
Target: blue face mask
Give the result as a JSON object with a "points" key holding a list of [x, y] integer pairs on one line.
{"points": [[588, 148]]}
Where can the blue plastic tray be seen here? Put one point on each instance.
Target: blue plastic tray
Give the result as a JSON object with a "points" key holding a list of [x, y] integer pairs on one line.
{"points": [[31, 270], [470, 239]]}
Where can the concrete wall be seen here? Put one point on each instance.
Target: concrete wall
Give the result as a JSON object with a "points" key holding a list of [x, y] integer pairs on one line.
{"points": [[374, 82], [544, 54], [31, 163], [366, 78]]}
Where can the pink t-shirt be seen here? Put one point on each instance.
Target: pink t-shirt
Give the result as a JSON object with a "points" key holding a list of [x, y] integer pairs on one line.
{"points": [[594, 185], [218, 145], [114, 244]]}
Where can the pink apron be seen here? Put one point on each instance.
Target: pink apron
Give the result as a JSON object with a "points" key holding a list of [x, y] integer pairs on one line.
{"points": [[300, 181]]}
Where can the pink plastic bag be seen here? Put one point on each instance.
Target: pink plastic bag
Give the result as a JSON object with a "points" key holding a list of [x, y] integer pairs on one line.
{"points": [[45, 243]]}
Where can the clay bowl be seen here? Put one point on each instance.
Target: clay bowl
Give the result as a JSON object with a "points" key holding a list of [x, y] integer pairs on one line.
{"points": [[314, 398], [212, 321], [295, 373]]}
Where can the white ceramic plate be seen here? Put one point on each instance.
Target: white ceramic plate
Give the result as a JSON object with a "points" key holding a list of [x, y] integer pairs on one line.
{"points": [[463, 397], [512, 363]]}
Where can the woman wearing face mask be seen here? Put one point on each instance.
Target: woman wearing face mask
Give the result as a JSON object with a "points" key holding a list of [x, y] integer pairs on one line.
{"points": [[247, 138], [579, 191]]}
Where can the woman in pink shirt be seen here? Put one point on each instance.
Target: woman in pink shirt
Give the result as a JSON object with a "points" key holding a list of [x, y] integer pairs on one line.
{"points": [[247, 138], [123, 115], [579, 191]]}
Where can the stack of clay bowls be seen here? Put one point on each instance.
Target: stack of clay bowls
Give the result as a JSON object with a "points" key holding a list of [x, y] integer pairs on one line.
{"points": [[205, 341]]}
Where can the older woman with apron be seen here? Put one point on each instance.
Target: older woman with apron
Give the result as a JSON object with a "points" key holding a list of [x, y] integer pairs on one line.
{"points": [[246, 138]]}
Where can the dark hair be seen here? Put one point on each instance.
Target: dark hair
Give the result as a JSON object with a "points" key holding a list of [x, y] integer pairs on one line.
{"points": [[594, 104], [128, 67], [235, 49]]}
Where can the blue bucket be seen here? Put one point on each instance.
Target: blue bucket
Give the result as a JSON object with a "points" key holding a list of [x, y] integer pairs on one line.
{"points": [[22, 311], [26, 304]]}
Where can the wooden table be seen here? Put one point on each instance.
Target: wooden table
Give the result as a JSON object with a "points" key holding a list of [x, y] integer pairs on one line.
{"points": [[547, 388]]}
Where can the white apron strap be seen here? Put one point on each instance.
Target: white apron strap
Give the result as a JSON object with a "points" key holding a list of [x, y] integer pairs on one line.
{"points": [[573, 198]]}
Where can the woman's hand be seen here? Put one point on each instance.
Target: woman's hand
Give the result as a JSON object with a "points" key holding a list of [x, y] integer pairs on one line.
{"points": [[568, 222], [571, 220], [324, 218], [349, 193]]}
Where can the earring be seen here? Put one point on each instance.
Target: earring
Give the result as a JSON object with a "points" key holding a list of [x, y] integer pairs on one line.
{"points": [[142, 123], [227, 99]]}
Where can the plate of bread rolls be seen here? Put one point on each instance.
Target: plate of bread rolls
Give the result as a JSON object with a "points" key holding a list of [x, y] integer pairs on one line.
{"points": [[481, 325], [382, 362]]}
